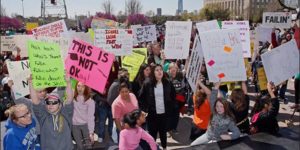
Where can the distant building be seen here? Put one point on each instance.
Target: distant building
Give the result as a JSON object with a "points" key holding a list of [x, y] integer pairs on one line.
{"points": [[180, 7], [243, 8], [158, 12]]}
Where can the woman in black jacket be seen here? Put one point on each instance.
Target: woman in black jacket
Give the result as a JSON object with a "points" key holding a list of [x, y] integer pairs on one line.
{"points": [[157, 98]]}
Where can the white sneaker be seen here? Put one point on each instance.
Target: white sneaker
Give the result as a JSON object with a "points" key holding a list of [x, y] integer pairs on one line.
{"points": [[100, 140]]}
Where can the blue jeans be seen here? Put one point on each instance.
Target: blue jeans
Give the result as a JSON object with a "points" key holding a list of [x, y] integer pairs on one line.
{"points": [[105, 113]]}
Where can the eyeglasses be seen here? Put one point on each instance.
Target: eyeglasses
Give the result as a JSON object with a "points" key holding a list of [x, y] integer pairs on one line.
{"points": [[51, 102], [25, 115]]}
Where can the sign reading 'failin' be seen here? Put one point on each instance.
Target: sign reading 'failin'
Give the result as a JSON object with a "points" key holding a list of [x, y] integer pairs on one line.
{"points": [[277, 19]]}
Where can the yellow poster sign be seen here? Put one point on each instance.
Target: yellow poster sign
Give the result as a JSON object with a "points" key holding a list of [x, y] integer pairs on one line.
{"points": [[133, 62], [31, 25]]}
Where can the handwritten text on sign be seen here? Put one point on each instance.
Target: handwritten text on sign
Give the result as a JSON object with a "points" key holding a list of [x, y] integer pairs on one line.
{"points": [[207, 26], [19, 72], [277, 19], [46, 64], [144, 33], [8, 43], [195, 64], [116, 41], [223, 55], [52, 29], [178, 34], [89, 64], [244, 34]]}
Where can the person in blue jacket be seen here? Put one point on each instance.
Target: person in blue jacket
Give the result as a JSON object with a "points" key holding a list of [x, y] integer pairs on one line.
{"points": [[21, 132]]}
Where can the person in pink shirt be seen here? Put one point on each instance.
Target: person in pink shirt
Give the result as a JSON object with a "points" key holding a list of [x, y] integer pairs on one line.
{"points": [[83, 117], [126, 102], [132, 134]]}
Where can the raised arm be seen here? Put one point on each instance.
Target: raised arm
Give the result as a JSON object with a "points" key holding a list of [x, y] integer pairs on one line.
{"points": [[244, 87], [69, 91], [206, 90], [270, 87], [214, 95], [32, 91]]}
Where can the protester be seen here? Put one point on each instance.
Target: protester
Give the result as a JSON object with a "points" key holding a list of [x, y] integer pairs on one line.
{"points": [[143, 73], [83, 117], [156, 56], [132, 134], [21, 133], [157, 99]]}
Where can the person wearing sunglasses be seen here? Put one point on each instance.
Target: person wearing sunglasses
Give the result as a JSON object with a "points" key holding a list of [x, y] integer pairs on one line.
{"points": [[55, 118], [21, 132]]}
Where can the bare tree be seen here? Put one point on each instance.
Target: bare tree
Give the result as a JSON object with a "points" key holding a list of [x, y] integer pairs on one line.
{"points": [[133, 7], [2, 12], [150, 13], [107, 7]]}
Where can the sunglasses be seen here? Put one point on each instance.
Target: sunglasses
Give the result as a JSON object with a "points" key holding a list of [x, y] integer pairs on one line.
{"points": [[52, 102], [25, 115]]}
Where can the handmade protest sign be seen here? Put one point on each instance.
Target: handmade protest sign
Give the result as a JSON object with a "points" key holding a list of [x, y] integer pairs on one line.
{"points": [[52, 29], [195, 64], [8, 43], [31, 25], [101, 23], [19, 72], [282, 62], [116, 41], [207, 26], [263, 34], [142, 51], [277, 19], [46, 64], [70, 35], [144, 33], [132, 63], [21, 43], [223, 55], [262, 79], [89, 64], [177, 40], [244, 28]]}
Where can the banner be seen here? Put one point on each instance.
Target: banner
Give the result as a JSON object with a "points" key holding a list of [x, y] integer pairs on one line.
{"points": [[223, 55], [277, 19], [31, 25], [195, 64], [262, 79], [19, 72], [207, 26], [46, 65], [132, 63], [101, 23], [244, 28], [52, 29], [116, 41], [144, 33], [89, 64], [8, 43], [177, 39], [282, 62]]}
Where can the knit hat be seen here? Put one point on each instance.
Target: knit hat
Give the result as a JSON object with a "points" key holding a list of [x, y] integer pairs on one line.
{"points": [[54, 96]]}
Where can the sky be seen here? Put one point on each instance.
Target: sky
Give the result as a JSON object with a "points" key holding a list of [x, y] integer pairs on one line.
{"points": [[84, 7]]}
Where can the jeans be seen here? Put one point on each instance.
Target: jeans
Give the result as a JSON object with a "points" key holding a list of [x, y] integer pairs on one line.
{"points": [[105, 113]]}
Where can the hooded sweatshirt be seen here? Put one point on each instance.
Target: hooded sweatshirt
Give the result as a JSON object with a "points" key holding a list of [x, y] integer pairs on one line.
{"points": [[20, 138]]}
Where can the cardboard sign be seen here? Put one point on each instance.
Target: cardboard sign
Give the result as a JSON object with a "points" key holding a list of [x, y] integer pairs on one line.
{"points": [[262, 79], [89, 64], [19, 72], [244, 28], [46, 64], [277, 19], [116, 41], [144, 33], [223, 55], [132, 63], [207, 26], [8, 43], [177, 40], [282, 62], [52, 29], [195, 64]]}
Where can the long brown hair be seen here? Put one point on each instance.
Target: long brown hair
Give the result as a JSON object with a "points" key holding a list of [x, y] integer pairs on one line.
{"points": [[86, 92], [227, 111], [200, 97], [238, 99]]}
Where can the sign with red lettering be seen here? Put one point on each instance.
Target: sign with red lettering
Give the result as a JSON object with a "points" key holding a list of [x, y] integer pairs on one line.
{"points": [[116, 41], [52, 29], [89, 64]]}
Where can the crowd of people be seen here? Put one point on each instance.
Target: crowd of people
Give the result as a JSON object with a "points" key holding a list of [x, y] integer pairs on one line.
{"points": [[139, 110]]}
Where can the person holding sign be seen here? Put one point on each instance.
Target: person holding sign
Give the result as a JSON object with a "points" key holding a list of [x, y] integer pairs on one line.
{"points": [[157, 55], [221, 122], [83, 117], [55, 118]]}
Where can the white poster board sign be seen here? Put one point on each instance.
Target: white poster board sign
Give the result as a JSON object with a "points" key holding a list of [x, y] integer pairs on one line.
{"points": [[277, 19], [21, 42], [195, 64], [116, 41], [19, 72], [70, 35], [223, 56], [52, 29], [8, 43], [207, 26], [177, 39], [143, 33], [282, 62], [244, 28], [263, 34]]}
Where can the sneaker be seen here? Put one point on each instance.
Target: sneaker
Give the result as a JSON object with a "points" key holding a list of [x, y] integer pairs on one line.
{"points": [[100, 140], [168, 134]]}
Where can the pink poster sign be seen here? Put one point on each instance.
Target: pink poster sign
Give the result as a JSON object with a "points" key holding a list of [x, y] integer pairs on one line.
{"points": [[89, 64]]}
